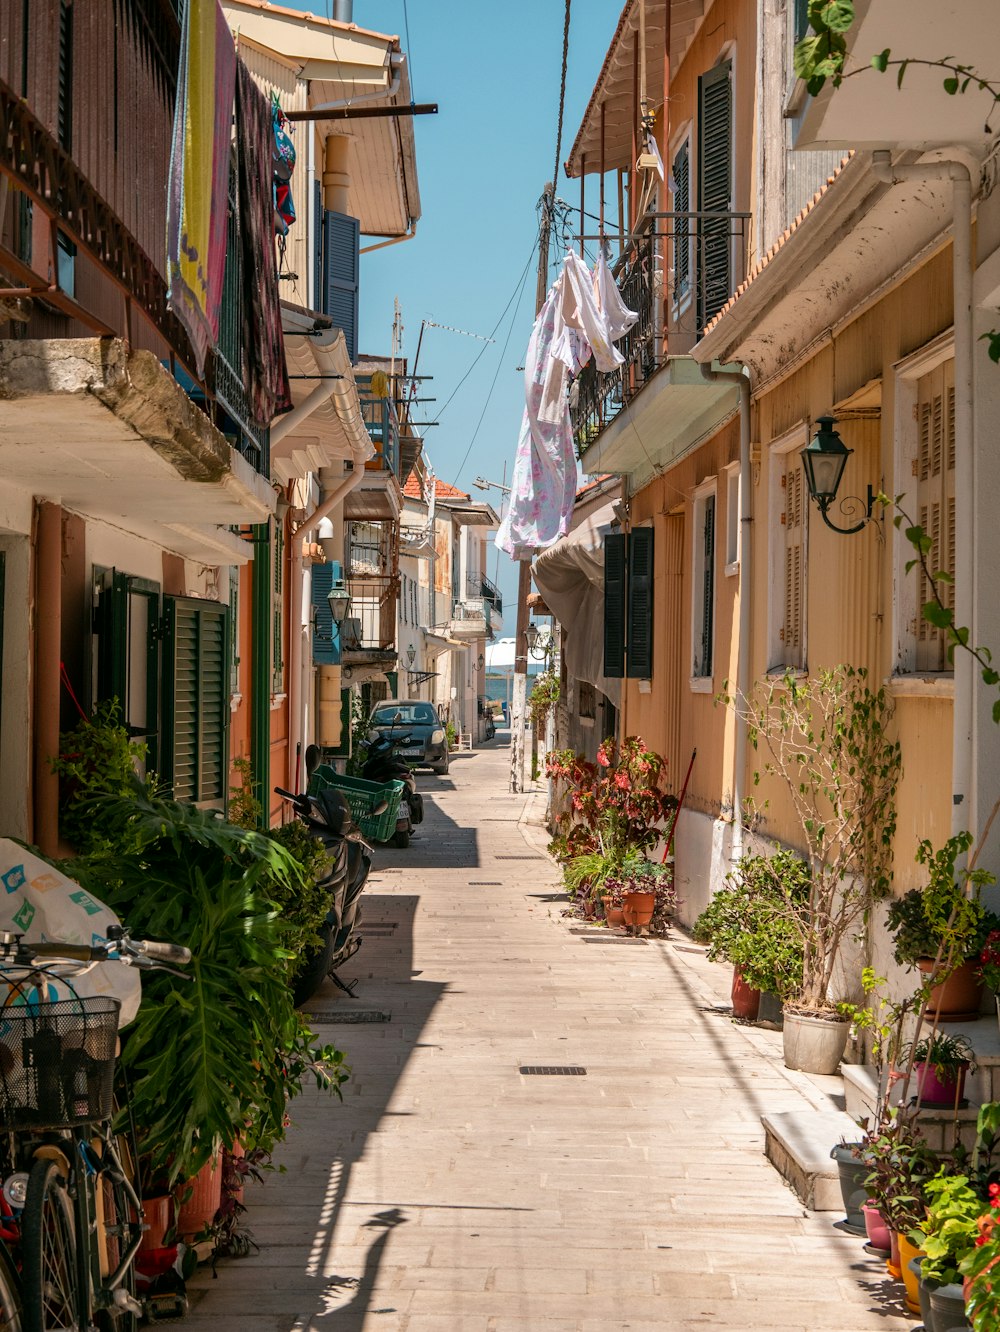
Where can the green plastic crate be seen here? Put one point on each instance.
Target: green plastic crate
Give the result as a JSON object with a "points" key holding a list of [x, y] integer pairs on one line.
{"points": [[363, 796]]}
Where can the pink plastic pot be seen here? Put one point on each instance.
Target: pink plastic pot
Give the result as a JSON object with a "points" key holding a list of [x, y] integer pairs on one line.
{"points": [[876, 1228], [935, 1091]]}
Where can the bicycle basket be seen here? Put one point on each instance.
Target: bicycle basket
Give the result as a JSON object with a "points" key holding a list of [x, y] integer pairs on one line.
{"points": [[57, 1062]]}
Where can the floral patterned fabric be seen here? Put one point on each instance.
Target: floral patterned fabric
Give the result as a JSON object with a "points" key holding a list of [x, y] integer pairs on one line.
{"points": [[570, 327]]}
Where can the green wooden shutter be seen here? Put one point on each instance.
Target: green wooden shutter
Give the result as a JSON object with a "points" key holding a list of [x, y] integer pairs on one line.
{"points": [[715, 190], [614, 605], [195, 699], [708, 588], [639, 639], [681, 172]]}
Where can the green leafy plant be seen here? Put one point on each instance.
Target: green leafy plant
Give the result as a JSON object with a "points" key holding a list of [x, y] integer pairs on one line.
{"points": [[989, 961], [943, 1053], [217, 1058], [97, 757], [543, 698], [942, 921], [451, 733], [899, 1163], [746, 922], [949, 1230], [828, 742]]}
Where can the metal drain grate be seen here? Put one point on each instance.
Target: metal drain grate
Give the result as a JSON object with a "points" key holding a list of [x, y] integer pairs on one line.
{"points": [[485, 883], [553, 1070], [349, 1016], [374, 932], [518, 857], [611, 939]]}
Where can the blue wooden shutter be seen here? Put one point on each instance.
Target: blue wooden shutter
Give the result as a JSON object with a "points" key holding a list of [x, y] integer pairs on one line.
{"points": [[639, 639], [614, 605], [326, 643], [195, 761], [715, 157], [340, 274]]}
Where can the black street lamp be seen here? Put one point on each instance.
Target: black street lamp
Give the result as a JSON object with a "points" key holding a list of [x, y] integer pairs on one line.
{"points": [[824, 459], [339, 600]]}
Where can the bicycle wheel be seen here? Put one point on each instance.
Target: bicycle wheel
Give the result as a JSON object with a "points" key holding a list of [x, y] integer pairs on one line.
{"points": [[10, 1295], [50, 1276], [120, 1220]]}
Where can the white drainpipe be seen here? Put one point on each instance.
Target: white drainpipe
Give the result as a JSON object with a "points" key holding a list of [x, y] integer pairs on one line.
{"points": [[742, 382], [963, 814]]}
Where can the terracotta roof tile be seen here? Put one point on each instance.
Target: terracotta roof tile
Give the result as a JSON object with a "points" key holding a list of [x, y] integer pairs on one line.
{"points": [[778, 244]]}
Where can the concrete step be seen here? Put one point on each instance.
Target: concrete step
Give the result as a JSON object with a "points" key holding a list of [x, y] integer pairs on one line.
{"points": [[798, 1145]]}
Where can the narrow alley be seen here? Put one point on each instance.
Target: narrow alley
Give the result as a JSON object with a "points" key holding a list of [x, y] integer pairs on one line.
{"points": [[457, 1191]]}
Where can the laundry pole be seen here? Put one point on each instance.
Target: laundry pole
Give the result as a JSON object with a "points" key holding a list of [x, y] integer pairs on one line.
{"points": [[519, 702]]}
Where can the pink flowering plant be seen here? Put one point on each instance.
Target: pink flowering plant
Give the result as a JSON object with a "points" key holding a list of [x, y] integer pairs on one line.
{"points": [[619, 807], [989, 962]]}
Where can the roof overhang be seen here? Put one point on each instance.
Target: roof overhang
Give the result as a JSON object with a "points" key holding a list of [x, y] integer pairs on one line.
{"points": [[108, 432], [860, 236], [344, 63], [326, 421], [869, 111], [614, 87], [674, 411]]}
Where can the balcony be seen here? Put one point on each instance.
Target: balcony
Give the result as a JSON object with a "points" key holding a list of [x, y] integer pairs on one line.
{"points": [[371, 627], [481, 586], [470, 619], [236, 420], [706, 259]]}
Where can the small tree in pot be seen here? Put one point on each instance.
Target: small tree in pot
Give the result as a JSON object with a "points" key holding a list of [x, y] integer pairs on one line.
{"points": [[827, 742]]}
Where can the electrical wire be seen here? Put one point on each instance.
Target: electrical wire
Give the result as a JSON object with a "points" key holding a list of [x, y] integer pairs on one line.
{"points": [[482, 352], [503, 353], [409, 48]]}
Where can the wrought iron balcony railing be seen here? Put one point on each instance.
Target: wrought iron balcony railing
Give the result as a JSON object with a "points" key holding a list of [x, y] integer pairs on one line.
{"points": [[488, 590], [676, 275], [373, 612]]}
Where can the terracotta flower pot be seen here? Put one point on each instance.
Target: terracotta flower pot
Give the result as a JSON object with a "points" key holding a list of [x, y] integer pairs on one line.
{"points": [[614, 916], [639, 908], [746, 1000], [956, 999], [158, 1216], [199, 1198]]}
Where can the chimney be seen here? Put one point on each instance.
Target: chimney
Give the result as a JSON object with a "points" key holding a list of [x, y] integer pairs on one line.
{"points": [[343, 11]]}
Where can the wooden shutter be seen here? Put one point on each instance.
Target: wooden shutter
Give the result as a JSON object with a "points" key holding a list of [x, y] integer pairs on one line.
{"points": [[704, 664], [639, 639], [126, 622], [195, 699], [326, 642], [681, 172], [278, 612], [715, 155], [614, 605], [792, 631], [936, 502], [340, 275]]}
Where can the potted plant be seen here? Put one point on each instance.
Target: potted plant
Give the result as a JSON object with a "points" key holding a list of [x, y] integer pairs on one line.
{"points": [[746, 924], [900, 1164], [940, 1063], [614, 915], [941, 929], [617, 808], [828, 743], [945, 1236], [988, 966]]}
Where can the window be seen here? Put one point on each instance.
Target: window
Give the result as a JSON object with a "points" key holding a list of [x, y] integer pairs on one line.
{"points": [[680, 182], [234, 621], [183, 642], [628, 604], [788, 537], [935, 507], [703, 585], [732, 518], [586, 700], [715, 190]]}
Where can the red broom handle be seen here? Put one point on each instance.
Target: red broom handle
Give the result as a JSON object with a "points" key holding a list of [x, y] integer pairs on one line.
{"points": [[677, 812]]}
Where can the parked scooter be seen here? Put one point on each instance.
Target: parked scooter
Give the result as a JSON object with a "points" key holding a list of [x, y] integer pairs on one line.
{"points": [[327, 815], [384, 764]]}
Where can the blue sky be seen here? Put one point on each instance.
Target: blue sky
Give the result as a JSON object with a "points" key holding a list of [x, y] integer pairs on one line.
{"points": [[482, 163]]}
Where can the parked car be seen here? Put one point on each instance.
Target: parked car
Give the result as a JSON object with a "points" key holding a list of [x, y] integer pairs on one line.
{"points": [[428, 742]]}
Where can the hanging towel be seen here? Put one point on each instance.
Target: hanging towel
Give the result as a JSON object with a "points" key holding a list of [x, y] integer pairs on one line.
{"points": [[199, 174], [617, 314], [264, 345]]}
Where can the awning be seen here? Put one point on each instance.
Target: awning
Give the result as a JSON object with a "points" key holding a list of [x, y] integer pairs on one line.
{"points": [[570, 576]]}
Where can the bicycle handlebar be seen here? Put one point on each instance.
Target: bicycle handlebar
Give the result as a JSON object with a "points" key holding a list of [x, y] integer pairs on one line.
{"points": [[70, 952], [162, 952], [119, 947]]}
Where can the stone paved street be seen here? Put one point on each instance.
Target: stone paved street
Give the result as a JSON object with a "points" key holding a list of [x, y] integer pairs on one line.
{"points": [[453, 1193]]}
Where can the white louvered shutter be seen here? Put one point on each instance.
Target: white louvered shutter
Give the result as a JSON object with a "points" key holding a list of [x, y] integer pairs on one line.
{"points": [[936, 502]]}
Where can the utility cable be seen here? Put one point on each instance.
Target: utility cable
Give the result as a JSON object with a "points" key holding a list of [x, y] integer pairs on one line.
{"points": [[489, 395], [482, 352]]}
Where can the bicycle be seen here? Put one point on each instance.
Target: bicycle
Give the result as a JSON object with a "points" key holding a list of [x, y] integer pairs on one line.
{"points": [[70, 1211]]}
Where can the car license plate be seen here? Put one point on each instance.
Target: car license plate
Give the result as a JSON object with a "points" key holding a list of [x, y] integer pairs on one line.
{"points": [[411, 753]]}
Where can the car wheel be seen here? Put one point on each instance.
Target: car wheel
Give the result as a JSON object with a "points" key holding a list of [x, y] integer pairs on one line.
{"points": [[441, 768]]}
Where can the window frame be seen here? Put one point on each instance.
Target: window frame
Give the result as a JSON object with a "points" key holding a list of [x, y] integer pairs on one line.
{"points": [[780, 453], [702, 571], [734, 516]]}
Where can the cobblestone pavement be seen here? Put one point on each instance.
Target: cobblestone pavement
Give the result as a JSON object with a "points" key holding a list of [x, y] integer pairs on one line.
{"points": [[454, 1192]]}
